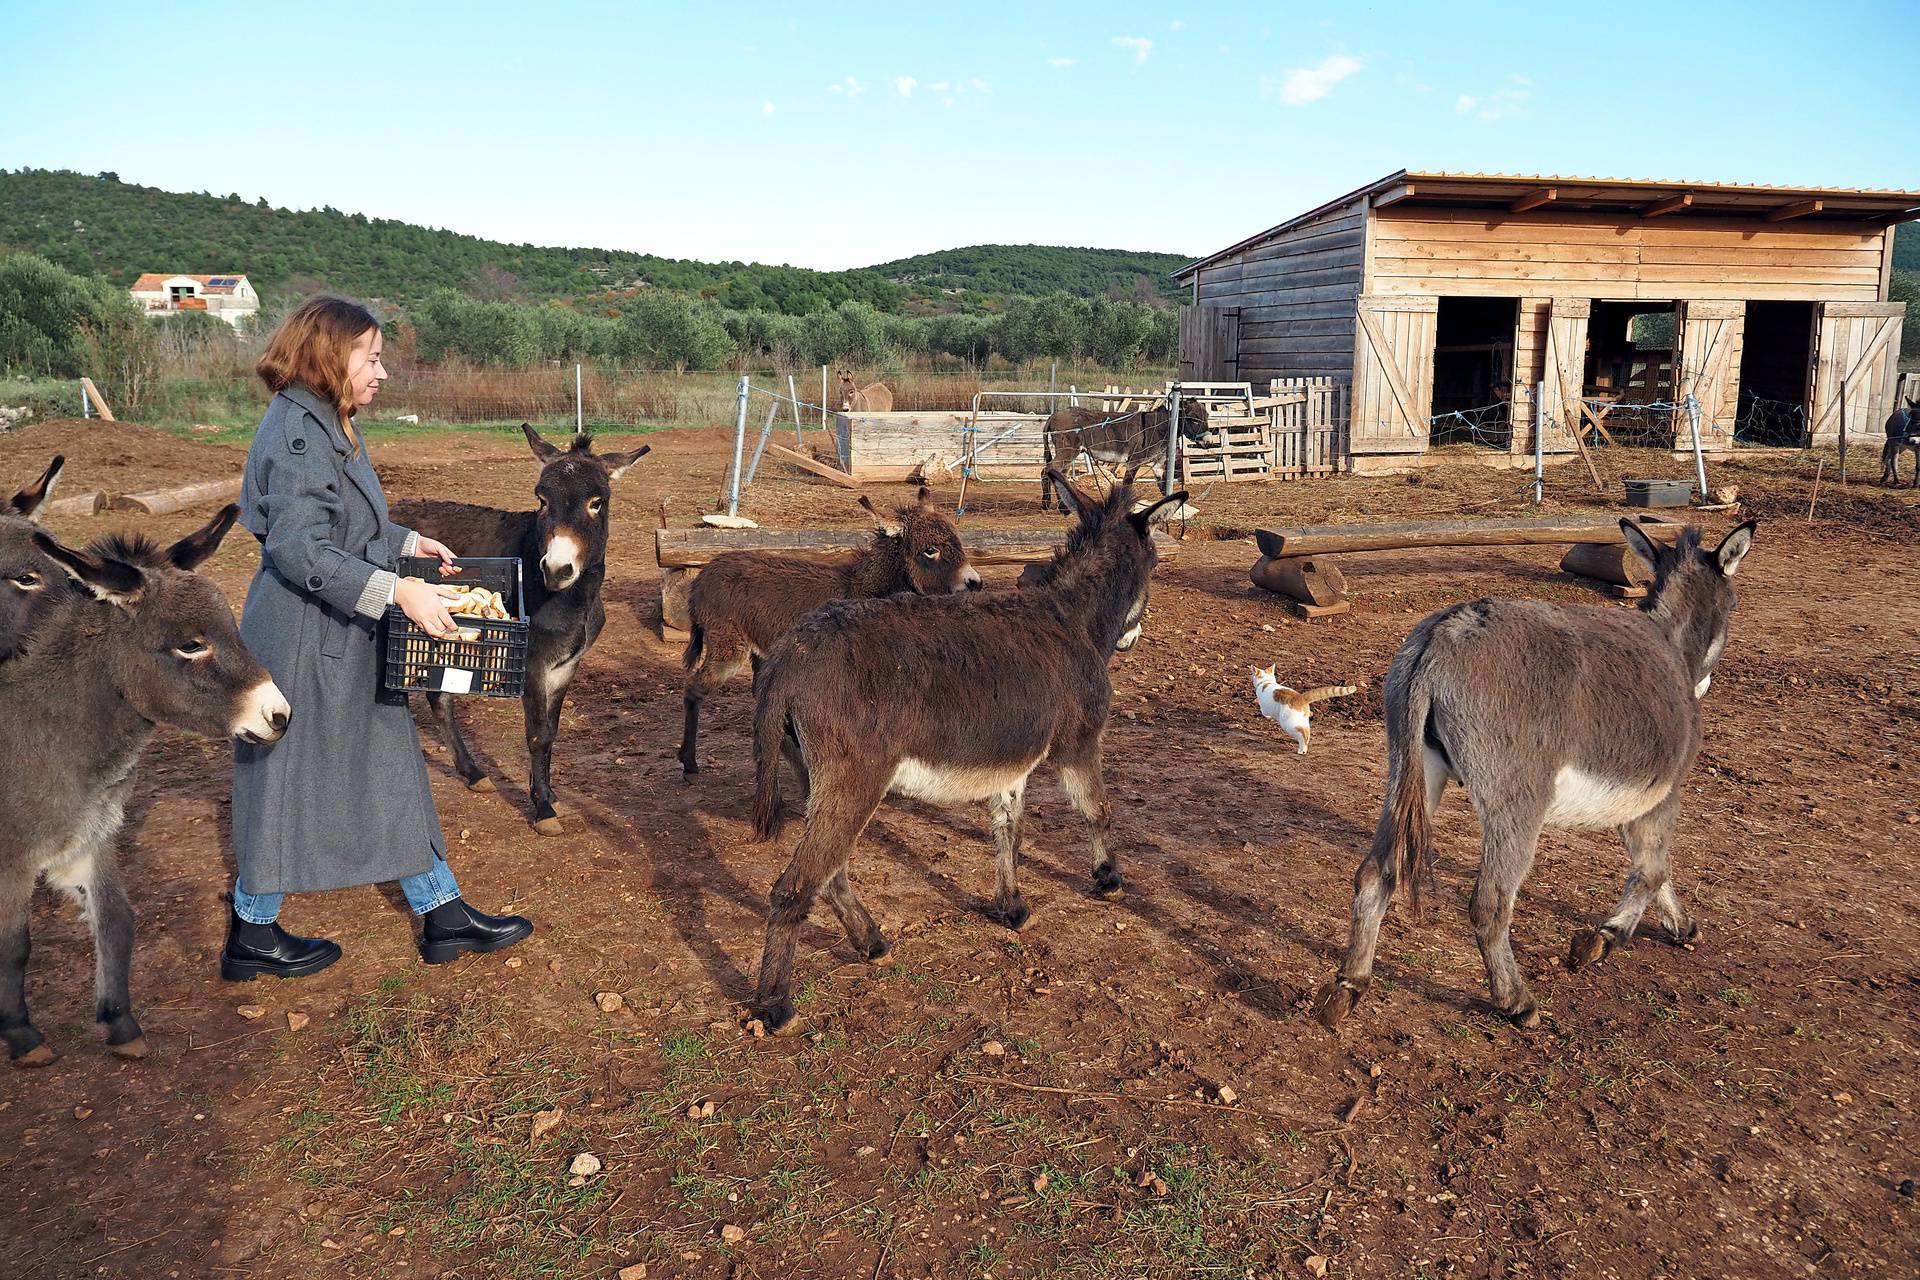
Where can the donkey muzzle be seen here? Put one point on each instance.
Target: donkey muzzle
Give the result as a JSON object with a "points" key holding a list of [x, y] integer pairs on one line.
{"points": [[970, 580], [264, 715], [561, 563]]}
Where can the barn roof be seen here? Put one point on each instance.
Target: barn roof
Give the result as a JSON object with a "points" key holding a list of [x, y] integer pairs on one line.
{"points": [[1625, 197], [153, 281]]}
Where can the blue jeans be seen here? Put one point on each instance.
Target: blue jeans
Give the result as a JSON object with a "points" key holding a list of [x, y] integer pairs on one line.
{"points": [[429, 889]]}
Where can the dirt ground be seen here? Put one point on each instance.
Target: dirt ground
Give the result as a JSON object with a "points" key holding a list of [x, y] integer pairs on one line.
{"points": [[1049, 1103]]}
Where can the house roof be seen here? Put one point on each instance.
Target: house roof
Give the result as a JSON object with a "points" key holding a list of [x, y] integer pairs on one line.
{"points": [[153, 282], [1626, 197]]}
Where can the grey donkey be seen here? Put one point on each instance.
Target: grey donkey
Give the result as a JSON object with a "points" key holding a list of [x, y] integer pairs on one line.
{"points": [[30, 583], [1903, 434], [142, 641], [1549, 715]]}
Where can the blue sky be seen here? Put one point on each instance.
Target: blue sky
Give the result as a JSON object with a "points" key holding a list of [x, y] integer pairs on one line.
{"points": [[843, 136]]}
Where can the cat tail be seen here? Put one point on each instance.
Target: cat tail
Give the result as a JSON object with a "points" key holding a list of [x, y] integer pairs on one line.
{"points": [[1325, 691], [1403, 844]]}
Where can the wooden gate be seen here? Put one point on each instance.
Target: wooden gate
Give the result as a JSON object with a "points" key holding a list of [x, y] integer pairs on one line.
{"points": [[1707, 341], [1393, 374], [1856, 358], [1563, 374], [1209, 344]]}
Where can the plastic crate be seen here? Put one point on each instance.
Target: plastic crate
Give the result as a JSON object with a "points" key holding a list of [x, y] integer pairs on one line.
{"points": [[1659, 493], [488, 658]]}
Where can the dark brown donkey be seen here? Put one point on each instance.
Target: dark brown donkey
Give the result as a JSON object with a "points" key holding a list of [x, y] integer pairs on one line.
{"points": [[1118, 440], [1549, 715], [948, 699], [30, 582], [143, 641], [562, 549], [745, 600]]}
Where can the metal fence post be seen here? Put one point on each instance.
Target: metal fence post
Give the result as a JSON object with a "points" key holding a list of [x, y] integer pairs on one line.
{"points": [[739, 446], [579, 405], [1699, 458], [823, 395], [1173, 438], [1539, 442], [773, 407], [793, 395]]}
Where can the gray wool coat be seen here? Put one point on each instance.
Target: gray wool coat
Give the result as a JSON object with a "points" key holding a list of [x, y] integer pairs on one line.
{"points": [[342, 799]]}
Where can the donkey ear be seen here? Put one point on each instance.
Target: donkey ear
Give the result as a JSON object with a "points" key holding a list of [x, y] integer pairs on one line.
{"points": [[28, 500], [1641, 544], [541, 449], [1733, 549], [926, 491], [114, 581], [1070, 500], [1160, 512], [888, 527], [617, 463], [192, 551]]}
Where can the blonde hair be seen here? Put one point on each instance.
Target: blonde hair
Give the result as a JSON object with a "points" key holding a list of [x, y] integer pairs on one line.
{"points": [[311, 346]]}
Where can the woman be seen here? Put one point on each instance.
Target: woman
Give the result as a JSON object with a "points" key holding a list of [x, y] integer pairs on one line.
{"points": [[342, 799]]}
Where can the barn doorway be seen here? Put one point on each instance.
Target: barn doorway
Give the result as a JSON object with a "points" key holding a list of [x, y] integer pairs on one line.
{"points": [[1473, 372], [1776, 374], [1629, 380]]}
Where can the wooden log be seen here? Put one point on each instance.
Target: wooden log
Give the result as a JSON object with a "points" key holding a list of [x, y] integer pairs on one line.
{"points": [[161, 502], [676, 586], [807, 464], [1607, 562], [80, 504], [692, 548], [1301, 578], [1307, 540]]}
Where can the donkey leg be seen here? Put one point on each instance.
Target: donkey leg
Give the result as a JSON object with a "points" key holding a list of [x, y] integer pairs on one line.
{"points": [[723, 655], [1507, 851], [1008, 810], [1649, 842], [1373, 885], [111, 916], [862, 931], [25, 1045], [1087, 790], [834, 821], [546, 694], [463, 762]]}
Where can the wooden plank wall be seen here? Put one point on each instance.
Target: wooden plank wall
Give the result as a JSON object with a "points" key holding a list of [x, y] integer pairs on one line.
{"points": [[1296, 297]]}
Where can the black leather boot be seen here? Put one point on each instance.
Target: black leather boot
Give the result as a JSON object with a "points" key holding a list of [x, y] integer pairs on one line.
{"points": [[451, 930], [256, 949]]}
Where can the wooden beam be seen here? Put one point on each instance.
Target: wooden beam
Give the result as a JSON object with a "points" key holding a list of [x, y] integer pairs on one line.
{"points": [[1534, 199], [1325, 539], [805, 463], [1394, 195], [1797, 210], [692, 548], [1673, 205], [99, 404]]}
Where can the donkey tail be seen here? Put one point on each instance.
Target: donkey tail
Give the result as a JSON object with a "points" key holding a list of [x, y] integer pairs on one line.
{"points": [[696, 641], [772, 697], [1326, 691], [1405, 823]]}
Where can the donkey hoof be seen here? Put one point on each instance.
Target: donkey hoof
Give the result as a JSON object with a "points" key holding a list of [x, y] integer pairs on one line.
{"points": [[688, 768], [41, 1055], [1589, 946], [549, 826], [1684, 935], [482, 783], [1334, 1003], [779, 1020], [878, 949], [135, 1048], [1527, 1017], [1016, 916], [1108, 884]]}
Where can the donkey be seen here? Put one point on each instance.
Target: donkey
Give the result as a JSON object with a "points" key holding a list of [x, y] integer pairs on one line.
{"points": [[1117, 440], [1903, 433], [562, 549], [872, 398], [30, 583], [947, 699], [745, 600], [141, 641], [1549, 715]]}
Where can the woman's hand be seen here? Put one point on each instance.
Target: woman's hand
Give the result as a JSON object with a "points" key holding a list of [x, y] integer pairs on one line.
{"points": [[426, 603], [440, 551]]}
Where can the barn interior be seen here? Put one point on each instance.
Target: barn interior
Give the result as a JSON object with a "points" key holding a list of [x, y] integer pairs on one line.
{"points": [[1630, 362], [1473, 371], [1776, 369]]}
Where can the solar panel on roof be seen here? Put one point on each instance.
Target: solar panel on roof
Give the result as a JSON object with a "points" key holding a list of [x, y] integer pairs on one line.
{"points": [[226, 281]]}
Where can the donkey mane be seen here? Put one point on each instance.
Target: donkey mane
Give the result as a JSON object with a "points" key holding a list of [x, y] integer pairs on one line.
{"points": [[1095, 516], [127, 548]]}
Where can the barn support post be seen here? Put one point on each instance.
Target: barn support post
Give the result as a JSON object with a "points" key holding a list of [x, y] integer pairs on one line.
{"points": [[1539, 442], [1844, 390], [1173, 438], [1699, 459], [579, 405], [739, 447]]}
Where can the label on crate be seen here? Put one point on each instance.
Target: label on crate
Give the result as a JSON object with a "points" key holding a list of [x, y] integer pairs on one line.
{"points": [[451, 679]]}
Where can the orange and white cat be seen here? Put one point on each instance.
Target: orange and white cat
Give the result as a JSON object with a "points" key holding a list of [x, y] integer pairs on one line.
{"points": [[1289, 708]]}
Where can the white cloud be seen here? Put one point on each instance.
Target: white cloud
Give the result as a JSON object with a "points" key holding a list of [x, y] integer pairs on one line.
{"points": [[1177, 25], [946, 102], [766, 108], [850, 87], [1310, 84], [1140, 45], [1464, 103], [903, 85], [939, 86], [980, 86], [1063, 62], [1502, 104]]}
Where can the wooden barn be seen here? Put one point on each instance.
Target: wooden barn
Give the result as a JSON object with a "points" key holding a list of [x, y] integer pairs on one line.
{"points": [[1445, 300]]}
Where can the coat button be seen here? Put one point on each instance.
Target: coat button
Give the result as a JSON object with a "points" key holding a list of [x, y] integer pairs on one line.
{"points": [[316, 582], [298, 444]]}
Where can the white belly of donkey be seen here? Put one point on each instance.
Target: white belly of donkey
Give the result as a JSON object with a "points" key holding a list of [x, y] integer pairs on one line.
{"points": [[1582, 799], [956, 784]]}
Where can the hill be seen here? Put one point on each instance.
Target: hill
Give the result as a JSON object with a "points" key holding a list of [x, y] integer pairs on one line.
{"points": [[1034, 269], [1906, 247]]}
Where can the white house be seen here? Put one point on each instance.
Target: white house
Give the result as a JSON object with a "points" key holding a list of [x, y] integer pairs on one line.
{"points": [[231, 298]]}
